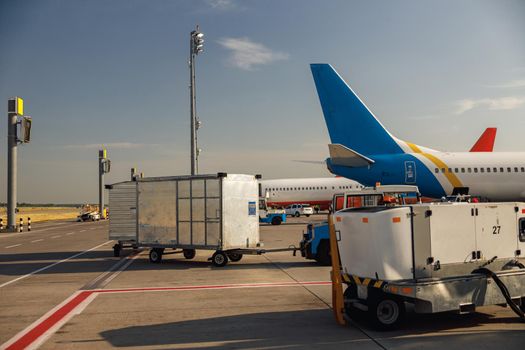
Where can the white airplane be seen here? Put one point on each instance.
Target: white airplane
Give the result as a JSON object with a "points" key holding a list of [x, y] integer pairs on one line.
{"points": [[363, 150], [313, 191]]}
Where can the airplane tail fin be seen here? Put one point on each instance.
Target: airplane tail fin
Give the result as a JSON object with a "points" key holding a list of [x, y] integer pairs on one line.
{"points": [[485, 142], [349, 121]]}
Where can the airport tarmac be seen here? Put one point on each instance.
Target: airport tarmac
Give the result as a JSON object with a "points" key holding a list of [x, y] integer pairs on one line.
{"points": [[61, 288]]}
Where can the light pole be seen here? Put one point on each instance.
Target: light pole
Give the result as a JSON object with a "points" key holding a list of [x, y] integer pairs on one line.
{"points": [[196, 47]]}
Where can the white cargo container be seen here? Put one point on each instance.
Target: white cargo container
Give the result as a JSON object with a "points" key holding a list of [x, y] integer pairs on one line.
{"points": [[426, 254], [123, 215], [212, 212]]}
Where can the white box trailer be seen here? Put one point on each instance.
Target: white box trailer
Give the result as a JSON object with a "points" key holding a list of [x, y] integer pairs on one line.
{"points": [[212, 212], [426, 254]]}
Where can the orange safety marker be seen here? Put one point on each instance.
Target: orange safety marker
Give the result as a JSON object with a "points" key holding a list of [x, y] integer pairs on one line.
{"points": [[337, 283]]}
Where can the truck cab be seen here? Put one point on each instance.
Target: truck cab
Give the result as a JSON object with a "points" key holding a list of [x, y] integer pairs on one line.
{"points": [[270, 215], [316, 240]]}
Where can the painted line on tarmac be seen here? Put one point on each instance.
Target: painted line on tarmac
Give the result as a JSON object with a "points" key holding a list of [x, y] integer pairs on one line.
{"points": [[70, 233], [103, 279], [37, 240], [12, 246], [39, 331], [51, 265], [57, 236]]}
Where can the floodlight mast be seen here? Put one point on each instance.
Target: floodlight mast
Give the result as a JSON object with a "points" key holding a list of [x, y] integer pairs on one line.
{"points": [[196, 47]]}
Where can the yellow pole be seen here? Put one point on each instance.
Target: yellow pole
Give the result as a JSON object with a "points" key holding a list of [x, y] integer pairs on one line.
{"points": [[337, 283]]}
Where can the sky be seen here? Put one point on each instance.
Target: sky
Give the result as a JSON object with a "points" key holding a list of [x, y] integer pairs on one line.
{"points": [[115, 73]]}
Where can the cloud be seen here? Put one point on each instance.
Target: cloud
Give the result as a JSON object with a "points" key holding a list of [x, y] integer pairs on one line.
{"points": [[495, 104], [509, 85], [246, 54], [221, 4], [114, 145]]}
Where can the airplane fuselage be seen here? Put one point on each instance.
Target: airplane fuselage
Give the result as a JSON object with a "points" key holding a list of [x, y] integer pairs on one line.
{"points": [[496, 176]]}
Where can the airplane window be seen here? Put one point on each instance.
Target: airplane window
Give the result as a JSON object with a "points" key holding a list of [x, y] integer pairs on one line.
{"points": [[449, 170], [515, 170], [456, 170], [469, 170], [442, 170], [488, 170], [333, 187], [436, 170], [482, 170], [325, 188], [522, 169], [501, 170], [495, 170], [462, 170], [508, 170], [475, 170]]}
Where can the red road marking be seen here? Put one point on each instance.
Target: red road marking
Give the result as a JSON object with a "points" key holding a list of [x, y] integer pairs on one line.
{"points": [[37, 331], [32, 334]]}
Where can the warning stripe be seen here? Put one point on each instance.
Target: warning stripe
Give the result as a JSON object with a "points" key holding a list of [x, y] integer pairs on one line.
{"points": [[369, 282], [451, 177]]}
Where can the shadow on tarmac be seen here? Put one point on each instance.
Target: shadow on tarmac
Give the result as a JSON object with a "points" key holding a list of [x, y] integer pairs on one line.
{"points": [[95, 261], [317, 329], [259, 330]]}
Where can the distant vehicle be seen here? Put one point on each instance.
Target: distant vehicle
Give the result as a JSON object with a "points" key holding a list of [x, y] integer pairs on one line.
{"points": [[89, 216], [299, 209], [270, 215]]}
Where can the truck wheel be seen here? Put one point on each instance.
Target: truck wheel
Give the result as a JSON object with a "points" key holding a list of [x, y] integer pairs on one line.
{"points": [[234, 256], [116, 250], [323, 256], [155, 255], [385, 312], [219, 258], [297, 214], [276, 220], [188, 253], [307, 215]]}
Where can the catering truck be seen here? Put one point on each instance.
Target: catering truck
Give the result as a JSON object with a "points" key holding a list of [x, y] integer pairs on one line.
{"points": [[316, 240], [437, 256]]}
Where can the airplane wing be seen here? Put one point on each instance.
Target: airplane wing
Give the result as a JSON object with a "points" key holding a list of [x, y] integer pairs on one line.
{"points": [[344, 156], [485, 142]]}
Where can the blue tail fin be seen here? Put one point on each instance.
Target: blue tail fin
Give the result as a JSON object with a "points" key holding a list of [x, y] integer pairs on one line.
{"points": [[349, 121]]}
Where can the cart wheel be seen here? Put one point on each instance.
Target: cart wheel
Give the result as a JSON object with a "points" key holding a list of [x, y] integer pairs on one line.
{"points": [[155, 255], [276, 220], [234, 256], [188, 253], [219, 259], [297, 214], [116, 250], [323, 256], [385, 312]]}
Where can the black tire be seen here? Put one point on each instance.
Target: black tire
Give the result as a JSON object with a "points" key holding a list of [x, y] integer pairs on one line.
{"points": [[307, 215], [219, 259], [297, 214], [385, 312], [188, 253], [276, 220], [155, 255], [116, 250], [234, 256], [323, 256]]}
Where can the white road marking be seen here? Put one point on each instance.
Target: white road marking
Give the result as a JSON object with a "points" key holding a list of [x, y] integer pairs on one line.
{"points": [[12, 246], [37, 240], [57, 236], [70, 233], [82, 231], [51, 265]]}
